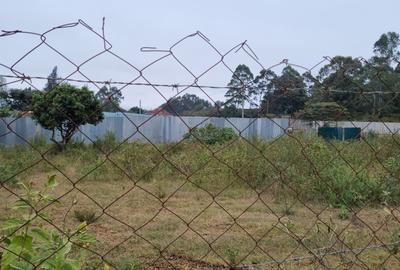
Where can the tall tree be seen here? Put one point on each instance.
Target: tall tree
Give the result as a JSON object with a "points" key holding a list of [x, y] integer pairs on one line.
{"points": [[110, 98], [188, 104], [342, 81], [384, 96], [262, 83], [288, 93], [241, 87], [19, 99], [52, 80], [383, 76], [387, 48]]}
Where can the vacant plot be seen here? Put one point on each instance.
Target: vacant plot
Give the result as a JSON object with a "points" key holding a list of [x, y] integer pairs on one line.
{"points": [[296, 202]]}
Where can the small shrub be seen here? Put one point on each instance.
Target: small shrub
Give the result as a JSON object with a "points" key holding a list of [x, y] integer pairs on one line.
{"points": [[77, 144], [130, 265], [14, 158], [287, 209], [160, 192], [340, 185], [391, 187], [211, 134], [35, 243], [395, 238], [343, 212], [108, 142], [138, 160], [99, 169], [232, 255], [85, 215], [38, 141], [5, 112]]}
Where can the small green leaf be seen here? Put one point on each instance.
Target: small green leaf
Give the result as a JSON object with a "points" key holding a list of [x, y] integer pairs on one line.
{"points": [[47, 264], [71, 265], [51, 182], [81, 227], [27, 189], [20, 204], [22, 241], [48, 198], [20, 244], [21, 265], [12, 224], [29, 217], [84, 238], [40, 234], [65, 250]]}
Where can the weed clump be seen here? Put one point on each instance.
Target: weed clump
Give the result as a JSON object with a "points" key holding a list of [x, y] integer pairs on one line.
{"points": [[343, 213], [211, 134], [85, 215]]}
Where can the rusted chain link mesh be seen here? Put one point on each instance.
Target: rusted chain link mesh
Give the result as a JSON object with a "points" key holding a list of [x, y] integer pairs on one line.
{"points": [[193, 222]]}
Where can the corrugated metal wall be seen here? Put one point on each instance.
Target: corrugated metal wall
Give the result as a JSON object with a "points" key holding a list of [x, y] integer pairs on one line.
{"points": [[167, 129], [157, 129]]}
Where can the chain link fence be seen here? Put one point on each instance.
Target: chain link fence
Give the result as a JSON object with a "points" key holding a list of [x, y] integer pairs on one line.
{"points": [[293, 202]]}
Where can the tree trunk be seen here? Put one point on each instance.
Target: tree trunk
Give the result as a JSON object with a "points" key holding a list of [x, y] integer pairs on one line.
{"points": [[66, 136], [53, 139]]}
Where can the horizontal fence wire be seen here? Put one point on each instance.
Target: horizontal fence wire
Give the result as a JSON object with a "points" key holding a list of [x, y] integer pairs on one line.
{"points": [[295, 201], [22, 78]]}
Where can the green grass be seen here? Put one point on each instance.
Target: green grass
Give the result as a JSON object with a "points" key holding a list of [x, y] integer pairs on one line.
{"points": [[352, 173], [292, 175]]}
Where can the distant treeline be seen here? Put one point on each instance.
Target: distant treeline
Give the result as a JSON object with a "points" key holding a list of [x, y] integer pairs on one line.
{"points": [[344, 88]]}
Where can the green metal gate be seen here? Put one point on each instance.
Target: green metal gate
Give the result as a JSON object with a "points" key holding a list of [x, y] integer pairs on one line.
{"points": [[339, 133]]}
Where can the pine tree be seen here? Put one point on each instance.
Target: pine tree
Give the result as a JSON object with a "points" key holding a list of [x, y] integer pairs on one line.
{"points": [[241, 87], [52, 80]]}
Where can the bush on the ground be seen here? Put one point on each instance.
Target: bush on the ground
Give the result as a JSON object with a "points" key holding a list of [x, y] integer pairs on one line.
{"points": [[211, 134], [5, 112]]}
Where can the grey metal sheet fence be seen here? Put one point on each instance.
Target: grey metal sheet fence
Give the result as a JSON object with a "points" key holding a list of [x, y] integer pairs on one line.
{"points": [[158, 129], [168, 129]]}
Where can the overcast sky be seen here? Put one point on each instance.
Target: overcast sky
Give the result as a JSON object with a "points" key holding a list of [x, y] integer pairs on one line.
{"points": [[301, 31]]}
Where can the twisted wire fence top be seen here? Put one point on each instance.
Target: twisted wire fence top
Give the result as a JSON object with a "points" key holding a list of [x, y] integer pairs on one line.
{"points": [[235, 224]]}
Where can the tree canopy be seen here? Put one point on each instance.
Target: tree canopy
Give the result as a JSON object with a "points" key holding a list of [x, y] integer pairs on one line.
{"points": [[20, 99], [110, 98], [136, 109], [286, 93], [328, 111], [366, 89], [188, 104], [241, 87], [387, 48], [64, 108]]}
